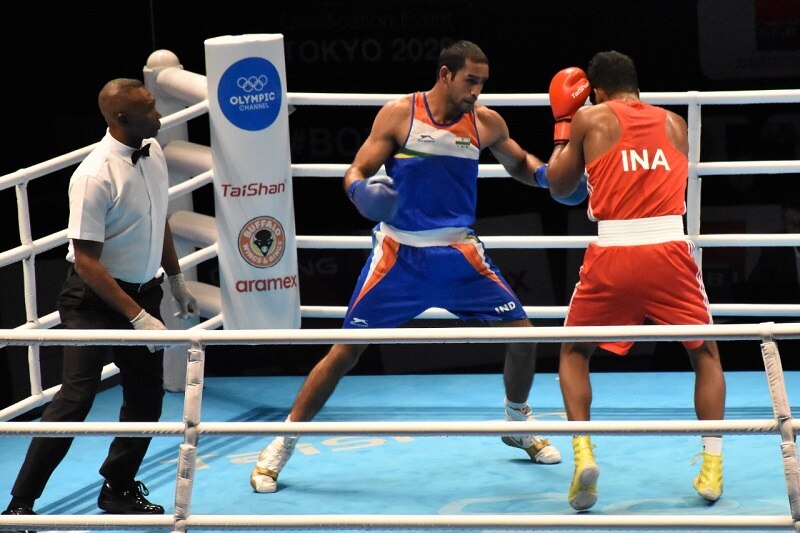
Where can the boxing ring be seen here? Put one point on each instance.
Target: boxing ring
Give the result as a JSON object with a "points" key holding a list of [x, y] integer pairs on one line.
{"points": [[182, 97]]}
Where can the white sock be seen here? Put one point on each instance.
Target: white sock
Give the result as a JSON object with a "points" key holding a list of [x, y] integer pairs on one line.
{"points": [[515, 405], [712, 445], [289, 439]]}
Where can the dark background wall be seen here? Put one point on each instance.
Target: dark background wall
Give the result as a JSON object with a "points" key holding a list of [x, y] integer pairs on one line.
{"points": [[57, 55]]}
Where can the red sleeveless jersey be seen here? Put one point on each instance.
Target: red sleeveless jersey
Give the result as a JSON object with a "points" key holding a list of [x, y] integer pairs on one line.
{"points": [[643, 175]]}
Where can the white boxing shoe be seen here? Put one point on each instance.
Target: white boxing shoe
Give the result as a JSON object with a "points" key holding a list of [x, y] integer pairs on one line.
{"points": [[540, 450], [264, 477]]}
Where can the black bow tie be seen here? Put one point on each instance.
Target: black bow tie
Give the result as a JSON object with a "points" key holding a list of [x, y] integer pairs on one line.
{"points": [[144, 151]]}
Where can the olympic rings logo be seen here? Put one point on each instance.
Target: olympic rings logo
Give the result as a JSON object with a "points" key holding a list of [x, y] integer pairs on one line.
{"points": [[252, 83], [250, 93]]}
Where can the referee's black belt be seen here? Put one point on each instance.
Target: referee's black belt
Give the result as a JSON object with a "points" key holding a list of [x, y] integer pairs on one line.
{"points": [[140, 287]]}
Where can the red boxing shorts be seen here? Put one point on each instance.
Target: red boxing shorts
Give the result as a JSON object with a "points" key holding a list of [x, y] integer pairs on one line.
{"points": [[624, 285]]}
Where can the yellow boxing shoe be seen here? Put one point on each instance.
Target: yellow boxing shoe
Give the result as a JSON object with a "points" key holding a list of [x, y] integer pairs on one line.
{"points": [[583, 489], [708, 482]]}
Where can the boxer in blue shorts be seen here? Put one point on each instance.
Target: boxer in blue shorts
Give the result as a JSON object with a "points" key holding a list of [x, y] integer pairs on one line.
{"points": [[400, 281], [425, 254]]}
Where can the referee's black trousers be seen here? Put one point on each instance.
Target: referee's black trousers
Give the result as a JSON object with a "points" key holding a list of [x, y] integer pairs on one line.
{"points": [[141, 376]]}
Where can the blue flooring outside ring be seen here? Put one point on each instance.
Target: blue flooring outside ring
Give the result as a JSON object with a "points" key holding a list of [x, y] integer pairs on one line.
{"points": [[648, 474]]}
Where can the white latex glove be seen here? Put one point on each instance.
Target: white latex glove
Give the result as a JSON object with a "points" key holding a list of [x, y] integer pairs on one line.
{"points": [[145, 320], [187, 303]]}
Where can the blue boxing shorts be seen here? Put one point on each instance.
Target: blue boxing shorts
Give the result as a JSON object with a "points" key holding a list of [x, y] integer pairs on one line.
{"points": [[400, 281]]}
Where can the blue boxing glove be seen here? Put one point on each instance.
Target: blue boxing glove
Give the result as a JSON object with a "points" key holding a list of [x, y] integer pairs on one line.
{"points": [[578, 195], [541, 177], [375, 197]]}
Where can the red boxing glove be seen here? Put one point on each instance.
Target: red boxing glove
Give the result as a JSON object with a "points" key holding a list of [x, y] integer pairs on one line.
{"points": [[569, 90]]}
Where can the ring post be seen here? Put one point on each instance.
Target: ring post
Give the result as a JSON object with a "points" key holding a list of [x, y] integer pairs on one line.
{"points": [[248, 117]]}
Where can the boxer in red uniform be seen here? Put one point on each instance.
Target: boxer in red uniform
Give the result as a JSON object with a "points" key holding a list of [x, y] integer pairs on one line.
{"points": [[642, 266]]}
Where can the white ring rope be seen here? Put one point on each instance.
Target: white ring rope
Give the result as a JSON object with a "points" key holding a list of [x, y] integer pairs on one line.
{"points": [[490, 170], [446, 335], [194, 160], [560, 311], [434, 522], [401, 428], [576, 241], [777, 96]]}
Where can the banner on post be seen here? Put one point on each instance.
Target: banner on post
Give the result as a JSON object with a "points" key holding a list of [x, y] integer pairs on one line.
{"points": [[254, 210]]}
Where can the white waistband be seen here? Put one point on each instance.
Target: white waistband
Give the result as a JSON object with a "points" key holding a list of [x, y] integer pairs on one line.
{"points": [[430, 237], [640, 231]]}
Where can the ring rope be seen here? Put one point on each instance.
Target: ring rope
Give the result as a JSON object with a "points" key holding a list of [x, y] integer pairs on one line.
{"points": [[365, 521], [402, 428], [776, 96], [452, 335]]}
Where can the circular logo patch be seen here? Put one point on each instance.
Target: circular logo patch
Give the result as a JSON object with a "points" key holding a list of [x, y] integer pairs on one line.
{"points": [[249, 93], [262, 242]]}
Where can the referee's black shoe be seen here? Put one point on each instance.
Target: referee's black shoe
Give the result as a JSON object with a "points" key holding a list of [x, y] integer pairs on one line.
{"points": [[19, 510], [127, 498]]}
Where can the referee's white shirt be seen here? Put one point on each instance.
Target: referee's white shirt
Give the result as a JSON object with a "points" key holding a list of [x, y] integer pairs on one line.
{"points": [[122, 205]]}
